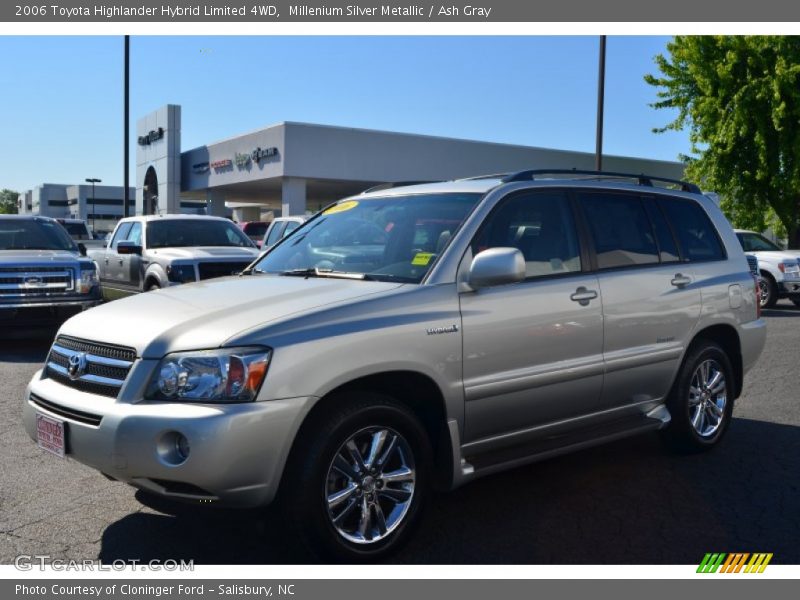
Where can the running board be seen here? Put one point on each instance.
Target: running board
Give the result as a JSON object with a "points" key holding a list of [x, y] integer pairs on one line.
{"points": [[494, 461]]}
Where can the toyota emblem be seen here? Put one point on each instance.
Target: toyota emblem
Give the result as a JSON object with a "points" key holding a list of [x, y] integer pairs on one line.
{"points": [[77, 365]]}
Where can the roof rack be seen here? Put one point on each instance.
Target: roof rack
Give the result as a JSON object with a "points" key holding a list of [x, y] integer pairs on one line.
{"points": [[393, 184], [641, 178]]}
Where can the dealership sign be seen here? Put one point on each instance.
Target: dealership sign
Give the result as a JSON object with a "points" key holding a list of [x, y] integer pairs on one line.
{"points": [[152, 136], [241, 159], [221, 164], [262, 153], [200, 167]]}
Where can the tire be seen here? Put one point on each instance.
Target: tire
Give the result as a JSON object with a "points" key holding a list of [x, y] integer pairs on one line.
{"points": [[693, 429], [322, 471], [153, 286], [768, 291], [796, 302]]}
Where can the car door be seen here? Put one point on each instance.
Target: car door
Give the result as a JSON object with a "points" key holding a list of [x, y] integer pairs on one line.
{"points": [[131, 264], [532, 350], [651, 302], [112, 263]]}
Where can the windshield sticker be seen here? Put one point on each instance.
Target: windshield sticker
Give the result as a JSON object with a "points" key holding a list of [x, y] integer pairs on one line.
{"points": [[422, 259], [341, 207]]}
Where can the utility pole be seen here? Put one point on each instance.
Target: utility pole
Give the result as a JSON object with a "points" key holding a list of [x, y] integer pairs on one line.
{"points": [[601, 85], [126, 119]]}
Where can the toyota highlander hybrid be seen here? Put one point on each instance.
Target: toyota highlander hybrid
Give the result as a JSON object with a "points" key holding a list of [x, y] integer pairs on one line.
{"points": [[413, 338]]}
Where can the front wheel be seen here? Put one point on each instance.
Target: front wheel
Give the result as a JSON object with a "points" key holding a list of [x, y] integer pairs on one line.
{"points": [[701, 401], [357, 478], [767, 291]]}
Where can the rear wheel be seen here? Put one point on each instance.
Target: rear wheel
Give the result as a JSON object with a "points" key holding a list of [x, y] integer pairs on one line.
{"points": [[358, 478], [701, 401]]}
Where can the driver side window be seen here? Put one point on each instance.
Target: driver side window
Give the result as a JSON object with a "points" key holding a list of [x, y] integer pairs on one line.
{"points": [[120, 234], [540, 225]]}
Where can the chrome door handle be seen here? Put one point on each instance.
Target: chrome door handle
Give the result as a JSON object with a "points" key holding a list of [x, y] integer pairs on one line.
{"points": [[106, 260], [680, 280], [120, 260], [583, 296]]}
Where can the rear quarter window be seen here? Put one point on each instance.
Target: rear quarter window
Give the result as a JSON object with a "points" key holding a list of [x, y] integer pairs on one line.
{"points": [[697, 237]]}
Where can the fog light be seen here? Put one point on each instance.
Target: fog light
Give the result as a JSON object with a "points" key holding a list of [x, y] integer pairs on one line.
{"points": [[173, 448]]}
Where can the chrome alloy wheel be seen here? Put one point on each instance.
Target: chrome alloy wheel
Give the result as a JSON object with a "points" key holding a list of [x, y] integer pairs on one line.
{"points": [[707, 398], [370, 485], [763, 291]]}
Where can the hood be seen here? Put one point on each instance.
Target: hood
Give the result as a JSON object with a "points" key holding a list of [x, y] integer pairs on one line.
{"points": [[203, 315], [207, 253], [36, 257], [776, 255]]}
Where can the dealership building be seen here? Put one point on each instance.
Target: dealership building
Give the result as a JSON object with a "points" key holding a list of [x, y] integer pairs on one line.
{"points": [[293, 169]]}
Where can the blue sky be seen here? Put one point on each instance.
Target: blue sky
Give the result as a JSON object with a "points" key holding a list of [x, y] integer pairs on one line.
{"points": [[61, 106]]}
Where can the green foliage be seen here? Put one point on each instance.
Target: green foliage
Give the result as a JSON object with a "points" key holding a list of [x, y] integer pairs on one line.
{"points": [[8, 202], [739, 98]]}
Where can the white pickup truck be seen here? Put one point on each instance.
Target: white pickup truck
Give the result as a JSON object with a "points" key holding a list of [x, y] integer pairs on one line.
{"points": [[151, 252], [779, 268]]}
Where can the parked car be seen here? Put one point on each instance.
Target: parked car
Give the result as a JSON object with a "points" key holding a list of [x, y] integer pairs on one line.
{"points": [[412, 338], [255, 230], [80, 232], [151, 252], [44, 276], [279, 228], [779, 268]]}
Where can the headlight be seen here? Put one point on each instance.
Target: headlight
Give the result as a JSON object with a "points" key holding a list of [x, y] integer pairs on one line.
{"points": [[180, 273], [227, 375], [88, 279]]}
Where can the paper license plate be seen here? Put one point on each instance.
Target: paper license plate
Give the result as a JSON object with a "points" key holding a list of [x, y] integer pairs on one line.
{"points": [[50, 435]]}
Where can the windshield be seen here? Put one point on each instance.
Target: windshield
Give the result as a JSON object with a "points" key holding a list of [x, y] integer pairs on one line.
{"points": [[179, 233], [394, 238], [34, 234], [753, 242]]}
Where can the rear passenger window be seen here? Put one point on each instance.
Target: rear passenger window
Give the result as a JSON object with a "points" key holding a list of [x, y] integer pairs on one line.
{"points": [[540, 225], [620, 229], [696, 235]]}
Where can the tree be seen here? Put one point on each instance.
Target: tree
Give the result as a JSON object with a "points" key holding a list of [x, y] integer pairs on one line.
{"points": [[739, 98], [8, 202]]}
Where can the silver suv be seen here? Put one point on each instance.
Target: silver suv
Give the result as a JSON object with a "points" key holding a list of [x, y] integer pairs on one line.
{"points": [[413, 338]]}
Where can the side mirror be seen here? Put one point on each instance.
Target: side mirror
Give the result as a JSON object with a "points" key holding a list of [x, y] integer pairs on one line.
{"points": [[82, 249], [127, 247], [496, 266]]}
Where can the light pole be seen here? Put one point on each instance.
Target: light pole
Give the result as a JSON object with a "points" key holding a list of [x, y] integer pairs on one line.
{"points": [[601, 85], [92, 180]]}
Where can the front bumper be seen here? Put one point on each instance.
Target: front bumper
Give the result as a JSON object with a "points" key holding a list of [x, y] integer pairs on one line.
{"points": [[237, 451], [789, 288], [44, 312]]}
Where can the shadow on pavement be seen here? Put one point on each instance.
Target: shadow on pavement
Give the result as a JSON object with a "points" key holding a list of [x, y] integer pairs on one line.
{"points": [[781, 311], [25, 346], [629, 502]]}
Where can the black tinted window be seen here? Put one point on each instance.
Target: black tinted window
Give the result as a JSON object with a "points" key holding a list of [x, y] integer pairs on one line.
{"points": [[620, 229], [33, 234], [177, 233], [540, 225], [694, 230], [668, 251], [753, 242]]}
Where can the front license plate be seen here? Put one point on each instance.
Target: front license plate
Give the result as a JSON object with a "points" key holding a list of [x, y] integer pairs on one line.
{"points": [[50, 435]]}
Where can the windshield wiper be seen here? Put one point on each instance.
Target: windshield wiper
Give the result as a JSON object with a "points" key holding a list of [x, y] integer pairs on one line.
{"points": [[329, 273]]}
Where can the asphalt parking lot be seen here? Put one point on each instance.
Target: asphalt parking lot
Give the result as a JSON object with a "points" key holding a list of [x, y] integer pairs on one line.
{"points": [[629, 502]]}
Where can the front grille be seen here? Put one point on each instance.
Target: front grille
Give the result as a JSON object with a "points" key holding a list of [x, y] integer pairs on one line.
{"points": [[35, 281], [90, 366], [209, 270], [752, 262], [67, 413]]}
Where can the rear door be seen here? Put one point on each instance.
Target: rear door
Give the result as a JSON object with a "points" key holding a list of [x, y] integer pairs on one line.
{"points": [[532, 350], [651, 303]]}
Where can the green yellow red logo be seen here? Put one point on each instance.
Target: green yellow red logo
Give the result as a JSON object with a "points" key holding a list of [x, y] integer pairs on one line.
{"points": [[736, 562]]}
